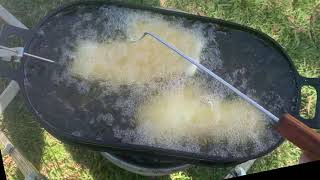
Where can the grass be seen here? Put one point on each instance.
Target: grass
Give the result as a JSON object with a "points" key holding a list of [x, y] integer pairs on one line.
{"points": [[287, 21]]}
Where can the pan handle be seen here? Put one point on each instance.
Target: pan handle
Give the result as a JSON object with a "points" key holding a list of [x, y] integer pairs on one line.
{"points": [[9, 69], [299, 134], [314, 82]]}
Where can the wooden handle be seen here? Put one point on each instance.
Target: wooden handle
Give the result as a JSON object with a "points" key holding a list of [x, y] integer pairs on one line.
{"points": [[300, 134]]}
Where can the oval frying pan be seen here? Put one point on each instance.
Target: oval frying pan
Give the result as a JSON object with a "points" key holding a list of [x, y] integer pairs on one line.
{"points": [[270, 75]]}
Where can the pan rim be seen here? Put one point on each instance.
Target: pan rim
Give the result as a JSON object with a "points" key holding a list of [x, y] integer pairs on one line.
{"points": [[65, 136]]}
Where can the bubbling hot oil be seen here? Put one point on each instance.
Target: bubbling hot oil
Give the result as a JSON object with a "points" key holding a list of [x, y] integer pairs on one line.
{"points": [[182, 116], [191, 114], [122, 62]]}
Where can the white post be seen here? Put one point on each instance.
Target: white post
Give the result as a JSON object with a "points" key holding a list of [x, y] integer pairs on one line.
{"points": [[10, 19], [8, 94], [26, 168]]}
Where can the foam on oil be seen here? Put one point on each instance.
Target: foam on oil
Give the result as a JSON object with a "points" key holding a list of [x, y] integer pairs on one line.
{"points": [[124, 62], [190, 115]]}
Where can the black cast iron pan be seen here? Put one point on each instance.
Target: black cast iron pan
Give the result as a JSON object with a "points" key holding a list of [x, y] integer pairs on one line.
{"points": [[270, 74]]}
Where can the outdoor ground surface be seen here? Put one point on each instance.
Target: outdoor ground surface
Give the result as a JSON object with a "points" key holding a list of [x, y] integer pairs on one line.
{"points": [[287, 21]]}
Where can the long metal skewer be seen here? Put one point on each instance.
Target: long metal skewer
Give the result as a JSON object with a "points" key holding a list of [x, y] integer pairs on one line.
{"points": [[38, 57], [201, 67], [198, 65], [26, 54]]}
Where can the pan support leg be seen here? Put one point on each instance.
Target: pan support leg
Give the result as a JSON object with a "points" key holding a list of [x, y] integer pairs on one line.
{"points": [[240, 169]]}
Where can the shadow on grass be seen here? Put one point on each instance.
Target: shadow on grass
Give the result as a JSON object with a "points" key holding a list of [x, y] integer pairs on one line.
{"points": [[23, 131], [99, 167]]}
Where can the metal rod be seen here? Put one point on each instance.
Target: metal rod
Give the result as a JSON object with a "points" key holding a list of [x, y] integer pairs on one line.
{"points": [[8, 49], [27, 54], [38, 57], [201, 67]]}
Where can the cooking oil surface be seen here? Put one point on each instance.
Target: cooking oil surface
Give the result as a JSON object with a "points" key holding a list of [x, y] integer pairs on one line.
{"points": [[125, 62], [150, 96], [191, 113]]}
